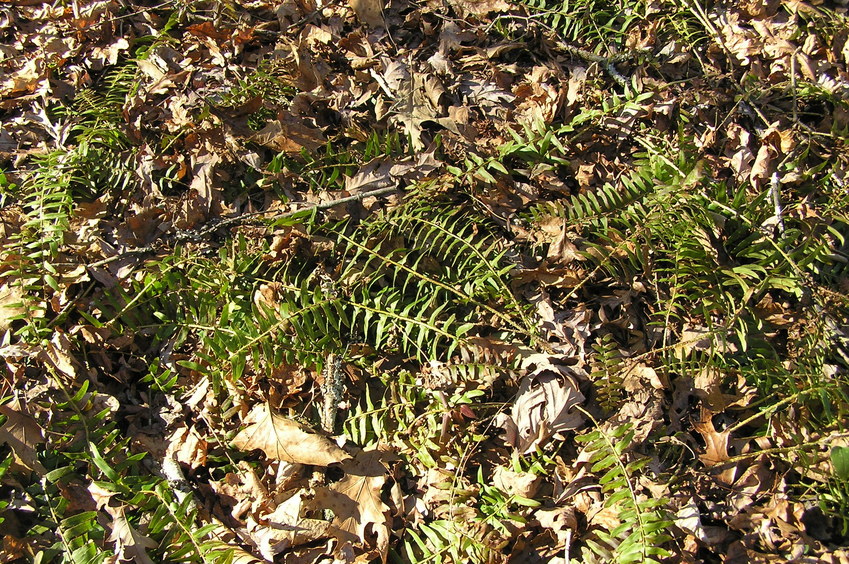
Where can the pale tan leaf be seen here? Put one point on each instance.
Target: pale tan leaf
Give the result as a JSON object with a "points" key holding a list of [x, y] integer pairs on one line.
{"points": [[100, 495], [290, 135], [281, 438], [716, 445], [187, 446], [524, 484], [57, 353], [355, 500], [10, 300], [480, 7], [543, 407], [285, 528], [129, 543], [369, 12]]}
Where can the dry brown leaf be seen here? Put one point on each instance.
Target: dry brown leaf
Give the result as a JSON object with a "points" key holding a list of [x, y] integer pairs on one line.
{"points": [[57, 354], [281, 438], [763, 167], [369, 12], [23, 434], [355, 500], [15, 549], [285, 528], [524, 484], [543, 406], [638, 375], [100, 495], [480, 7], [187, 446], [716, 446], [290, 135], [570, 328], [708, 385], [129, 543], [11, 297], [382, 173]]}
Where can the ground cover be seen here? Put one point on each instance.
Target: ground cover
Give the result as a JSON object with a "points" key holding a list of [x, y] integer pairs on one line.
{"points": [[448, 281]]}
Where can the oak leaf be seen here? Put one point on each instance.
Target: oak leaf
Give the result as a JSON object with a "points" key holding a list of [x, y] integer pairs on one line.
{"points": [[281, 438], [130, 544], [543, 406], [23, 434], [355, 500]]}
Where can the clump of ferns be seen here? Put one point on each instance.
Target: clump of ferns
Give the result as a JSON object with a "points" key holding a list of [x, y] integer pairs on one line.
{"points": [[93, 162], [422, 278], [600, 24], [269, 85]]}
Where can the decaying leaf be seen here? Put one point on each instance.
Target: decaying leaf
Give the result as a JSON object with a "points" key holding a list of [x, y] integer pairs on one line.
{"points": [[187, 446], [355, 500], [11, 297], [524, 484], [281, 438], [290, 135], [130, 544], [23, 434], [543, 408], [285, 528], [370, 12], [716, 446]]}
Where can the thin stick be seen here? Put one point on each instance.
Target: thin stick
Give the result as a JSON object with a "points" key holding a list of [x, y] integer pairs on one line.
{"points": [[245, 218]]}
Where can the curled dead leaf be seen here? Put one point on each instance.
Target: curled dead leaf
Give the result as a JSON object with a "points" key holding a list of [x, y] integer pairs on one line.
{"points": [[130, 544], [543, 408], [23, 434]]}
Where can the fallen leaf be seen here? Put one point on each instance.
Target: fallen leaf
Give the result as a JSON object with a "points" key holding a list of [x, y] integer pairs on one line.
{"points": [[290, 135], [187, 446], [716, 445], [708, 385], [281, 438], [355, 500], [524, 484], [57, 353], [15, 549], [11, 297], [369, 12], [480, 7], [23, 434], [129, 543], [285, 528], [543, 406]]}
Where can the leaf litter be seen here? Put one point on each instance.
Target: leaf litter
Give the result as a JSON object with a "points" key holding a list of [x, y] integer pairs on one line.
{"points": [[455, 91]]}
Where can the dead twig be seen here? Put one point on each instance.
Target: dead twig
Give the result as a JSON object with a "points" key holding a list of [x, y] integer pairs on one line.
{"points": [[253, 217]]}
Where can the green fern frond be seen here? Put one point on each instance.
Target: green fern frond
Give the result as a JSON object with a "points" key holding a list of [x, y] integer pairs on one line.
{"points": [[640, 536], [607, 376], [588, 21]]}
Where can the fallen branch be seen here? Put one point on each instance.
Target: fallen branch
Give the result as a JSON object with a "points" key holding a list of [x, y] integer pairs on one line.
{"points": [[199, 234], [607, 63]]}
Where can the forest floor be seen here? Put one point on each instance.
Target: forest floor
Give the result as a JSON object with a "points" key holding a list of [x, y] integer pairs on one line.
{"points": [[447, 281]]}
